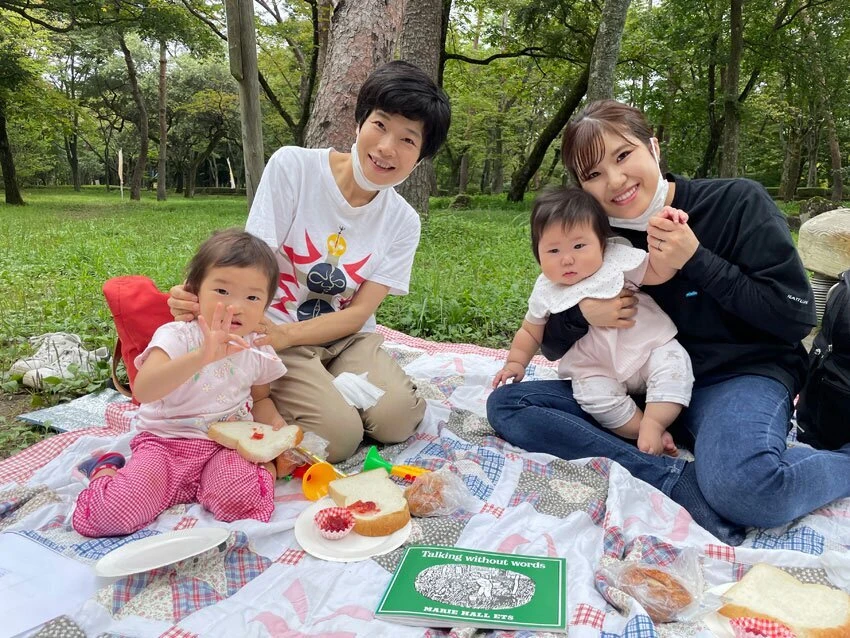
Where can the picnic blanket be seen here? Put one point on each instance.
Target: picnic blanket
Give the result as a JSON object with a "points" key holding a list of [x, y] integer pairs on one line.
{"points": [[592, 512]]}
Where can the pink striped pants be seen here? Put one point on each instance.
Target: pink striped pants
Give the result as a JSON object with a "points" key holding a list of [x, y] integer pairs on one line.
{"points": [[163, 472]]}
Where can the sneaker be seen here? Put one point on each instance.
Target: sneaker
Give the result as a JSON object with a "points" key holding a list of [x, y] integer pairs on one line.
{"points": [[91, 466]]}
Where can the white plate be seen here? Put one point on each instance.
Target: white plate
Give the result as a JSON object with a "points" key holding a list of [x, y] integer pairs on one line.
{"points": [[160, 550], [349, 548]]}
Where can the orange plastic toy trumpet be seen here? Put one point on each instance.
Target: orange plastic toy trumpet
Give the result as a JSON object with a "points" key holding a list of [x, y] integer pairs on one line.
{"points": [[314, 482], [374, 460]]}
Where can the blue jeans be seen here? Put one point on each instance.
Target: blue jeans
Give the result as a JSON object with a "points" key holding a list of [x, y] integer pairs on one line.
{"points": [[743, 469]]}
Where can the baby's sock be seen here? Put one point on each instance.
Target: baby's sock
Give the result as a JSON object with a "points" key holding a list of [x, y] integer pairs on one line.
{"points": [[91, 466]]}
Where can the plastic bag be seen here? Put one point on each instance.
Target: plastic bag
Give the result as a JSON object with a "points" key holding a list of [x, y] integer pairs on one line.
{"points": [[295, 457], [667, 592], [357, 391], [438, 493]]}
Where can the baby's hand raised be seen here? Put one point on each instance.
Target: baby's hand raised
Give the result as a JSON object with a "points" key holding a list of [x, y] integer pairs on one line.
{"points": [[219, 342], [512, 370], [673, 214]]}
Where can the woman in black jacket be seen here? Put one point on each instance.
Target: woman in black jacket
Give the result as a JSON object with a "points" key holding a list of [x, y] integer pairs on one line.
{"points": [[742, 304]]}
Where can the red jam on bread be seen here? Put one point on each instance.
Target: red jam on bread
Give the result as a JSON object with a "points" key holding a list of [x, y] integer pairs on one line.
{"points": [[363, 507]]}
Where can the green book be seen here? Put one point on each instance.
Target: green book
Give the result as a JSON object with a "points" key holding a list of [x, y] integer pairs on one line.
{"points": [[454, 587]]}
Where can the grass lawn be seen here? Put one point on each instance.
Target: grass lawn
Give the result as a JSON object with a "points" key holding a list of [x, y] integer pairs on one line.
{"points": [[471, 279]]}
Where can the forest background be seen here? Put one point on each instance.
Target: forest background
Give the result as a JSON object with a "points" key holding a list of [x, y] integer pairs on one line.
{"points": [[756, 89]]}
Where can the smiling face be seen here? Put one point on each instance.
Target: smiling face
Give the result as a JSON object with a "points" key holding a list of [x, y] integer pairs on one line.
{"points": [[388, 146], [569, 255], [625, 179], [246, 289]]}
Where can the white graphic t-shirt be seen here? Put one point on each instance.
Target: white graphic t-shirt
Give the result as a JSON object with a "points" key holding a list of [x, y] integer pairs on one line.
{"points": [[325, 247]]}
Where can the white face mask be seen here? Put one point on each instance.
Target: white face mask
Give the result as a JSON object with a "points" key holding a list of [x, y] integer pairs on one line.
{"points": [[658, 200], [360, 177]]}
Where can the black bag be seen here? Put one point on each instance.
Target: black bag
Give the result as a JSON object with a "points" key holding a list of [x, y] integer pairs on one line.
{"points": [[823, 409]]}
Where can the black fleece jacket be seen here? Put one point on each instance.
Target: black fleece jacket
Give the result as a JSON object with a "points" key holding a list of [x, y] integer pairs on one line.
{"points": [[742, 303]]}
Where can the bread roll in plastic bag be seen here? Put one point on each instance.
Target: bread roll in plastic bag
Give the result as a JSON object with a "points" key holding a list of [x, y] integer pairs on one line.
{"points": [[439, 493], [668, 593]]}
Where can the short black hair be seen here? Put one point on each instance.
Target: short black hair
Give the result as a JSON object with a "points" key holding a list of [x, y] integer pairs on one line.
{"points": [[403, 88], [233, 247], [569, 207]]}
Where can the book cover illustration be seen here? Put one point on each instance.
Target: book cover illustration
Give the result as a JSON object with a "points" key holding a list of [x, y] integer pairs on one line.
{"points": [[454, 587]]}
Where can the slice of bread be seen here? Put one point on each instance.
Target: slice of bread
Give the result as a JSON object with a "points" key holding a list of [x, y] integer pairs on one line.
{"points": [[809, 610], [378, 504], [255, 442]]}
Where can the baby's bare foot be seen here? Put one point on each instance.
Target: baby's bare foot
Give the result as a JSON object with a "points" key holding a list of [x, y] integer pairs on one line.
{"points": [[669, 445], [651, 437]]}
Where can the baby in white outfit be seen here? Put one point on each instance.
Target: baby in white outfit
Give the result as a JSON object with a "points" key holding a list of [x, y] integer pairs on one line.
{"points": [[571, 241]]}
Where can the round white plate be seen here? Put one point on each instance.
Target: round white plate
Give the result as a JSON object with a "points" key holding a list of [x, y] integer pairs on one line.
{"points": [[349, 548], [160, 550]]}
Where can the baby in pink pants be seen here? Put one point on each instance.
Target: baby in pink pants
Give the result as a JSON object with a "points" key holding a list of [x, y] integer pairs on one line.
{"points": [[190, 376]]}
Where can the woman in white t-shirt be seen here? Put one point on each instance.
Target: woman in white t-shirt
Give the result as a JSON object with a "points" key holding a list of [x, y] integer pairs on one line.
{"points": [[344, 240]]}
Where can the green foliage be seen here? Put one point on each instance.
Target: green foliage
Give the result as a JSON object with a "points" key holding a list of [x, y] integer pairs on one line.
{"points": [[672, 54], [16, 436]]}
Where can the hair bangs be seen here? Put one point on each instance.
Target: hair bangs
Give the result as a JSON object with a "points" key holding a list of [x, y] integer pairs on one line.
{"points": [[588, 147]]}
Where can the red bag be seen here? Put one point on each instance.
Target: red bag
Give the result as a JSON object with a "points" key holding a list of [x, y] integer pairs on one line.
{"points": [[138, 308]]}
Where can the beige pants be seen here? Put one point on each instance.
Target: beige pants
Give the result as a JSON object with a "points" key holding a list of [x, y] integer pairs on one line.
{"points": [[305, 395]]}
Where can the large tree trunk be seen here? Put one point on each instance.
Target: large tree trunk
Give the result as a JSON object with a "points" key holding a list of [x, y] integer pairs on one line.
{"points": [[420, 44], [142, 124], [163, 127], [606, 50], [242, 52], [523, 175], [7, 162], [731, 106], [363, 36]]}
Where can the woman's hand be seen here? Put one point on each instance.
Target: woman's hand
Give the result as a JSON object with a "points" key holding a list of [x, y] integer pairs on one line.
{"points": [[184, 305], [512, 370], [219, 342], [618, 312], [274, 335], [670, 240]]}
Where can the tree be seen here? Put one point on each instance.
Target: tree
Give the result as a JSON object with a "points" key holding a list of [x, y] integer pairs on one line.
{"points": [[731, 116], [163, 125], [606, 50], [824, 90], [291, 54], [14, 73], [606, 46], [362, 37], [242, 49], [421, 34], [573, 96], [141, 122], [205, 115]]}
